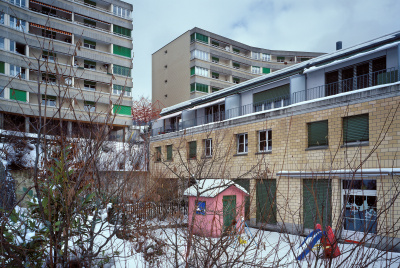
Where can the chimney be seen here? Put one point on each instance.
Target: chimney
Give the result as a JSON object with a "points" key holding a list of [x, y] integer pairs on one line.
{"points": [[338, 45]]}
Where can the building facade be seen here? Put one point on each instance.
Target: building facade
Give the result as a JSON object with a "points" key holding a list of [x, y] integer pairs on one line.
{"points": [[200, 62], [68, 59], [317, 142]]}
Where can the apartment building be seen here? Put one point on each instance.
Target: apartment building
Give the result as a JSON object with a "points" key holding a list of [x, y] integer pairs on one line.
{"points": [[316, 142], [71, 59], [200, 62]]}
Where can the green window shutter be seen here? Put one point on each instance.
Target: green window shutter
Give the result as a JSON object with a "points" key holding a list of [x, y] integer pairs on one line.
{"points": [[192, 37], [202, 38], [18, 95], [91, 22], [246, 185], [192, 87], [89, 42], [120, 109], [2, 68], [317, 207], [192, 149], [235, 64], [272, 94], [356, 128], [266, 70], [266, 201], [318, 133], [123, 51], [121, 30], [169, 152], [192, 71], [125, 71], [124, 88], [89, 82], [90, 2], [201, 87], [236, 50]]}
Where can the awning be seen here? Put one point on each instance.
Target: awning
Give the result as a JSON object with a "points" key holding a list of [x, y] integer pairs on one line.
{"points": [[49, 28], [169, 116], [90, 18], [207, 104], [342, 173], [52, 7]]}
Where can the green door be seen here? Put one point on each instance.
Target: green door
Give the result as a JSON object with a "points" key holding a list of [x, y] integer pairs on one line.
{"points": [[317, 207], [229, 210], [266, 201], [246, 185]]}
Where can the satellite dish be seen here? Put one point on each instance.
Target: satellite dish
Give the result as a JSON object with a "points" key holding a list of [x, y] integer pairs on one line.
{"points": [[68, 81]]}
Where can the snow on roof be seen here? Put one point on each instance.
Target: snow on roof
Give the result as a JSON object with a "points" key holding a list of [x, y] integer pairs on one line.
{"points": [[299, 66], [367, 172], [211, 187]]}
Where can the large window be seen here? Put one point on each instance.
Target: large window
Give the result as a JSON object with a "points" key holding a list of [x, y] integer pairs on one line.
{"points": [[199, 71], [89, 44], [199, 37], [242, 143], [122, 12], [198, 87], [18, 95], [192, 146], [122, 110], [356, 128], [125, 91], [255, 69], [49, 100], [255, 55], [20, 3], [360, 205], [124, 71], [121, 30], [16, 70], [265, 141], [208, 147], [169, 152], [317, 202], [198, 54], [317, 133], [17, 23], [266, 57], [122, 51]]}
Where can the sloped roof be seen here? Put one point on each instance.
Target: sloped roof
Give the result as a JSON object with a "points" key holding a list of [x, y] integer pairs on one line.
{"points": [[211, 187]]}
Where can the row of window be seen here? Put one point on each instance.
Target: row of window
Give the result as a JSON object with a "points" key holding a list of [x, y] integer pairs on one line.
{"points": [[204, 72], [204, 88], [355, 130]]}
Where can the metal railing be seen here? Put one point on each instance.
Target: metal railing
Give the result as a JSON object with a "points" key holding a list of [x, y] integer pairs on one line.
{"points": [[381, 77]]}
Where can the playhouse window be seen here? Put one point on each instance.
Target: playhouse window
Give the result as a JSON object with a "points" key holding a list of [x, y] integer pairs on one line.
{"points": [[201, 208]]}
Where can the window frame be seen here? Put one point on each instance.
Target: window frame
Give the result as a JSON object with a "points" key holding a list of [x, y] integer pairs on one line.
{"points": [[89, 106], [311, 136], [89, 85], [201, 208], [345, 125], [157, 157], [267, 141], [169, 150], [49, 101], [90, 65], [192, 156], [208, 150], [245, 143]]}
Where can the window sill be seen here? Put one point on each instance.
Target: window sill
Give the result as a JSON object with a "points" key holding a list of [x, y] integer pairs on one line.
{"points": [[323, 147], [266, 152], [207, 157], [241, 154], [355, 144]]}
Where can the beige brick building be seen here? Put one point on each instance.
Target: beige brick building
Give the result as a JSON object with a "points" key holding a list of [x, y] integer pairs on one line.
{"points": [[314, 143]]}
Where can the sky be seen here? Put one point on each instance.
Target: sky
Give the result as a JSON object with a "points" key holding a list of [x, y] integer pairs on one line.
{"points": [[301, 25]]}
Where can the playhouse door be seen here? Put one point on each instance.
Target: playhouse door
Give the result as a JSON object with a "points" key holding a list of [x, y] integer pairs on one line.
{"points": [[229, 210]]}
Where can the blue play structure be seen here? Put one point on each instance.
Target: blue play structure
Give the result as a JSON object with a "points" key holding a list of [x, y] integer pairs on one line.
{"points": [[308, 244]]}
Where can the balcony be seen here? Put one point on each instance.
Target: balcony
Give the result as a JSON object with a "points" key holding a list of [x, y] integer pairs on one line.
{"points": [[51, 33], [49, 10]]}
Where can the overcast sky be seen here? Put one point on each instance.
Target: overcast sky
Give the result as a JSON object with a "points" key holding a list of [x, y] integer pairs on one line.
{"points": [[303, 25]]}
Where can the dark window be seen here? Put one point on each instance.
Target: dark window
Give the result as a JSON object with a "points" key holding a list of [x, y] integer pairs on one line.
{"points": [[208, 147], [169, 152], [331, 87], [242, 143], [317, 133], [347, 80], [356, 128], [192, 150], [201, 208], [265, 140]]}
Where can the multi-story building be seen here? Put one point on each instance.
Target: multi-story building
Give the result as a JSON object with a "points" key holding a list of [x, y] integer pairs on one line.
{"points": [[200, 62], [315, 142], [68, 57]]}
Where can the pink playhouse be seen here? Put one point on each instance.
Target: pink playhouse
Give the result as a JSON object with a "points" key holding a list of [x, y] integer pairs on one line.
{"points": [[215, 206]]}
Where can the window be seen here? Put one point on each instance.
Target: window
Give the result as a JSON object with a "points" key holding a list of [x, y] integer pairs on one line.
{"points": [[49, 78], [89, 106], [255, 69], [122, 51], [89, 2], [122, 110], [215, 75], [201, 208], [356, 128], [18, 95], [214, 43], [215, 60], [280, 59], [16, 70], [120, 70], [198, 87], [121, 30], [236, 50], [255, 55], [50, 56], [199, 37], [318, 133], [1, 18], [199, 71], [208, 147], [89, 85], [20, 3], [265, 141], [266, 70], [12, 46], [236, 65], [2, 67], [360, 205], [242, 143], [49, 34], [122, 12], [89, 44], [1, 42], [90, 23], [49, 100], [17, 23], [91, 65], [236, 80], [1, 92], [266, 57], [125, 91], [192, 150], [198, 54], [169, 152]]}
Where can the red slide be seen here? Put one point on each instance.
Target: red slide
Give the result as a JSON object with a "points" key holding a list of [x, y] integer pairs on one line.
{"points": [[330, 244]]}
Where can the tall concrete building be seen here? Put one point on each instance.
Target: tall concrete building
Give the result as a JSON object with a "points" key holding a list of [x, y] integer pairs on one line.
{"points": [[71, 59], [200, 62]]}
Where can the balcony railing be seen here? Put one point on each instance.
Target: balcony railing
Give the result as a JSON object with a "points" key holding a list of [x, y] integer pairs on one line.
{"points": [[359, 82]]}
